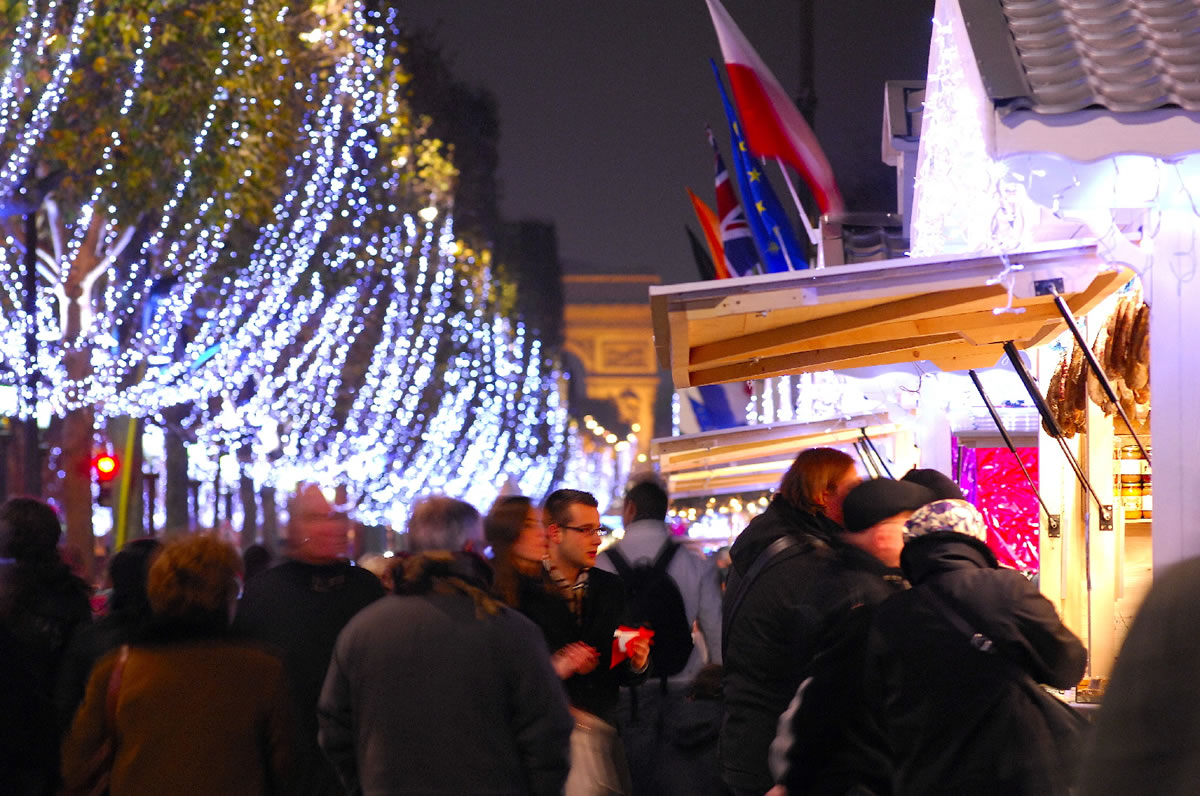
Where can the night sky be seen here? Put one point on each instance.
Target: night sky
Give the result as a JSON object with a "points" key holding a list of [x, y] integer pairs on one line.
{"points": [[603, 107]]}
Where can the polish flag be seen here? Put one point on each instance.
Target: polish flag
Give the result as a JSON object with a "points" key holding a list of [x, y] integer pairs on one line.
{"points": [[771, 122]]}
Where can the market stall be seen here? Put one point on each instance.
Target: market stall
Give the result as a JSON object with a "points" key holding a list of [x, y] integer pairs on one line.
{"points": [[941, 309], [1051, 198], [755, 457], [951, 313], [718, 480]]}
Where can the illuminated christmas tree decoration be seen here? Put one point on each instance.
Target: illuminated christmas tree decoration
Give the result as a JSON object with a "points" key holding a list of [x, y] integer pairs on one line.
{"points": [[345, 341]]}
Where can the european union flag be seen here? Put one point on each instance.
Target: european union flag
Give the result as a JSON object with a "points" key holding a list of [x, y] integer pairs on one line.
{"points": [[740, 251], [777, 245]]}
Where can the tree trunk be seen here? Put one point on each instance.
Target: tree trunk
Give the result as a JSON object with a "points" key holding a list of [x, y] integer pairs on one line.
{"points": [[76, 464], [249, 508], [178, 517], [270, 526]]}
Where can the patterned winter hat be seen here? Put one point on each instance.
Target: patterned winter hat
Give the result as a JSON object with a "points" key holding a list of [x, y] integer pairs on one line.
{"points": [[947, 515]]}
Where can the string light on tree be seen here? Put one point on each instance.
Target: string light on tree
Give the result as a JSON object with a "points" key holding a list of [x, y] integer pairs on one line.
{"points": [[452, 397]]}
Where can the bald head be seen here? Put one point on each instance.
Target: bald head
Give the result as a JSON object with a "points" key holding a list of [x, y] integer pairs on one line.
{"points": [[316, 532]]}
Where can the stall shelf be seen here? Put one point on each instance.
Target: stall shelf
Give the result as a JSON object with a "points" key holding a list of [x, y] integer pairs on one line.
{"points": [[956, 312], [753, 457]]}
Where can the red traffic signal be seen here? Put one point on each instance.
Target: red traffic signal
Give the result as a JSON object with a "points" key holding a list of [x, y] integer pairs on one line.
{"points": [[106, 467]]}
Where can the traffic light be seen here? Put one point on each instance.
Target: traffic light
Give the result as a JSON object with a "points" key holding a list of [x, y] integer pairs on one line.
{"points": [[106, 468]]}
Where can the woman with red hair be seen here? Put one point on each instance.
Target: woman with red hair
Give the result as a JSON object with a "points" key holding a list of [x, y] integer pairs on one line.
{"points": [[780, 593], [196, 710]]}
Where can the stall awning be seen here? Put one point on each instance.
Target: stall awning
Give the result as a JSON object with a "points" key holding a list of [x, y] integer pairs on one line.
{"points": [[938, 309], [751, 457]]}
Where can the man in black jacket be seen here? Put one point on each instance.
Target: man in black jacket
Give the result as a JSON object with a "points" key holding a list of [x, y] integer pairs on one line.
{"points": [[962, 715], [579, 608], [298, 608], [776, 626], [830, 741]]}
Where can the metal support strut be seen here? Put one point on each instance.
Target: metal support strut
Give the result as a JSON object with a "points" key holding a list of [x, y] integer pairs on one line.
{"points": [[1094, 364], [1008, 441], [1035, 393], [871, 445], [1031, 387], [865, 457]]}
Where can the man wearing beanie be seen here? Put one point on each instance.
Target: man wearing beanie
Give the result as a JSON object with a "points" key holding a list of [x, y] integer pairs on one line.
{"points": [[875, 513], [955, 659], [828, 742], [937, 482]]}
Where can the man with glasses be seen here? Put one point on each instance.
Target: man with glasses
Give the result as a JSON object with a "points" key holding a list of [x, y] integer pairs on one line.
{"points": [[579, 608]]}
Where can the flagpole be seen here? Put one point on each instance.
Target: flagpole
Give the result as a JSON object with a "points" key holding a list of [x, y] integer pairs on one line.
{"points": [[808, 227], [786, 257]]}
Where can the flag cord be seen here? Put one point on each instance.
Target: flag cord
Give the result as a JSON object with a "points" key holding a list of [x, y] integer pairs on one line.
{"points": [[808, 227]]}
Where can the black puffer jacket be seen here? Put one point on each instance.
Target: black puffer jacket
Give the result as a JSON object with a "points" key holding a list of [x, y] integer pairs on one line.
{"points": [[782, 621], [960, 720]]}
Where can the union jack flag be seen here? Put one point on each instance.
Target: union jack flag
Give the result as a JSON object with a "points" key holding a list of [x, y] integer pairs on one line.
{"points": [[736, 237]]}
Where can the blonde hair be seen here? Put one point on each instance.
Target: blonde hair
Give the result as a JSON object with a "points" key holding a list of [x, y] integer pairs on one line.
{"points": [[192, 580], [814, 472]]}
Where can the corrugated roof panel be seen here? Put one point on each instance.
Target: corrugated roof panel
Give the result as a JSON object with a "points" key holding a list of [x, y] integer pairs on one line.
{"points": [[1119, 55]]}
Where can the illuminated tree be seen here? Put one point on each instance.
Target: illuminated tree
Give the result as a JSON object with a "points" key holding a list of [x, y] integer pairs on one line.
{"points": [[250, 222]]}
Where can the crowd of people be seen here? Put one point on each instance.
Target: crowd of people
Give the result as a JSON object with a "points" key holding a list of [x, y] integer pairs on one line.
{"points": [[863, 640]]}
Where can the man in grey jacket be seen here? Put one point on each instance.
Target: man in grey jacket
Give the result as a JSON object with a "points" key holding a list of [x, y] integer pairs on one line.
{"points": [[439, 688], [648, 716], [646, 531]]}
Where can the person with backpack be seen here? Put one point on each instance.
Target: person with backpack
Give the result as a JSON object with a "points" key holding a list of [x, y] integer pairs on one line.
{"points": [[670, 588]]}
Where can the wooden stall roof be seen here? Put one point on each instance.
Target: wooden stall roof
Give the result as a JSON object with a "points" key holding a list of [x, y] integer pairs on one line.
{"points": [[917, 308], [751, 458]]}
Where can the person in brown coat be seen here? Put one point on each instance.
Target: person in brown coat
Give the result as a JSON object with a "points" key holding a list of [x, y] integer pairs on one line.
{"points": [[197, 711]]}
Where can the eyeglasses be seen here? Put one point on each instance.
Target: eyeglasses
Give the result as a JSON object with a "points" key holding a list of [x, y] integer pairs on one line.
{"points": [[597, 531]]}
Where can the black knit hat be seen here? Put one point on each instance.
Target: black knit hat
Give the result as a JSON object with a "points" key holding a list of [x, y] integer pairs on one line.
{"points": [[880, 498], [939, 483]]}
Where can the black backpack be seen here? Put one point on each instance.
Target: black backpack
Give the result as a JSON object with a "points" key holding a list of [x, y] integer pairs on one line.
{"points": [[655, 602]]}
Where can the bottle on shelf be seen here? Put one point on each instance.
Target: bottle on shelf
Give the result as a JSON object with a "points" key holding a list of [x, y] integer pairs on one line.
{"points": [[1129, 481], [1147, 499]]}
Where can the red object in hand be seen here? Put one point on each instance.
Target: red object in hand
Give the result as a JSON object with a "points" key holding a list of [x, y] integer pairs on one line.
{"points": [[621, 638]]}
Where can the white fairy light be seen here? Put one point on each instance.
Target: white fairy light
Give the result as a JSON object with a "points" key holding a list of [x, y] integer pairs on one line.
{"points": [[957, 194], [454, 398]]}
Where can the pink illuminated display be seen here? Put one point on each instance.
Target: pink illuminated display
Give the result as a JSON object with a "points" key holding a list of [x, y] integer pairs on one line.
{"points": [[993, 481]]}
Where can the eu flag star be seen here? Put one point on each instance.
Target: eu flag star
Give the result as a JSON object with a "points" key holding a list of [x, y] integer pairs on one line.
{"points": [[741, 146], [759, 206], [773, 248], [754, 175]]}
